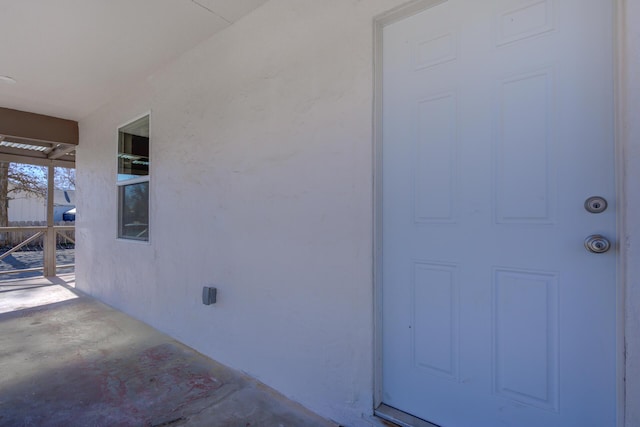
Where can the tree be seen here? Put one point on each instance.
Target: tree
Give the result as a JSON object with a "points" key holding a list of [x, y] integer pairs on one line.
{"points": [[64, 178], [20, 178]]}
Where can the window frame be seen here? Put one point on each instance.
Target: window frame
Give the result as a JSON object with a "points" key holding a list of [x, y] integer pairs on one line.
{"points": [[120, 184]]}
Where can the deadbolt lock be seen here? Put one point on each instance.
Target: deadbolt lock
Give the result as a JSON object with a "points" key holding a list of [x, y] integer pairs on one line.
{"points": [[596, 204]]}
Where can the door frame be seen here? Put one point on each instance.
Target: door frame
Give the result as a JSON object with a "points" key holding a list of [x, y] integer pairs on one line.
{"points": [[620, 143]]}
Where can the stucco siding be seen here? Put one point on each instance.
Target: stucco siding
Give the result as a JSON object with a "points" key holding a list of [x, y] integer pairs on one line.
{"points": [[261, 184]]}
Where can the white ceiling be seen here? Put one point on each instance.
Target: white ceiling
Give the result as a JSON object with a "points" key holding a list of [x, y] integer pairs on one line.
{"points": [[69, 57]]}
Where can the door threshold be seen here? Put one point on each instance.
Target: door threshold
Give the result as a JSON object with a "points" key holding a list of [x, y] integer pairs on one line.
{"points": [[400, 418]]}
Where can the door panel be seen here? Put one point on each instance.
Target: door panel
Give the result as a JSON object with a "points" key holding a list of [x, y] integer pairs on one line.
{"points": [[497, 126]]}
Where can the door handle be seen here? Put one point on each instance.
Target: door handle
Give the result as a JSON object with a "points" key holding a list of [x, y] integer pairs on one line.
{"points": [[597, 244]]}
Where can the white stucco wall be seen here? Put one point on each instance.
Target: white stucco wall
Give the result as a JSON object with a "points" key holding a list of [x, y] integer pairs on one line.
{"points": [[261, 184]]}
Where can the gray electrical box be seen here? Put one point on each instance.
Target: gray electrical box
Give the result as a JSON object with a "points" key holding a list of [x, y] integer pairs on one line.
{"points": [[209, 295]]}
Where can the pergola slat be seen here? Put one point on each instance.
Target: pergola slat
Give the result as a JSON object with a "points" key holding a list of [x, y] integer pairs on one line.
{"points": [[37, 139]]}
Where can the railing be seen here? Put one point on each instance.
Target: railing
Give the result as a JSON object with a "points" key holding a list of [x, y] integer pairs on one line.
{"points": [[49, 236]]}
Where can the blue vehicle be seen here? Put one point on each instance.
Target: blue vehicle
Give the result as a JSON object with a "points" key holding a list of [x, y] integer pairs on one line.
{"points": [[69, 215]]}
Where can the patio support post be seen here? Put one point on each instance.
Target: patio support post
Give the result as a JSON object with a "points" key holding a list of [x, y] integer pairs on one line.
{"points": [[50, 237]]}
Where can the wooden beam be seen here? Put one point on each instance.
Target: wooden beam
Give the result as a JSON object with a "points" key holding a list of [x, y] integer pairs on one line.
{"points": [[61, 151], [50, 235], [31, 160], [37, 127]]}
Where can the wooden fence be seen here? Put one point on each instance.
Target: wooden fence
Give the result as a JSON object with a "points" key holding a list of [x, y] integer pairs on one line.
{"points": [[13, 238]]}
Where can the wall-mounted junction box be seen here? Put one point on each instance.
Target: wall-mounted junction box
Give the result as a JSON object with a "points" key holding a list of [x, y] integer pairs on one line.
{"points": [[209, 295]]}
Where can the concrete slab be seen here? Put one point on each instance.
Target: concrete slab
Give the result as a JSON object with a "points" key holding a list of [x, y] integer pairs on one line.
{"points": [[68, 360]]}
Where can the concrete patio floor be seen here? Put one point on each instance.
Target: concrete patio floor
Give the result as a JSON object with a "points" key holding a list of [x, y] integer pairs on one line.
{"points": [[69, 360]]}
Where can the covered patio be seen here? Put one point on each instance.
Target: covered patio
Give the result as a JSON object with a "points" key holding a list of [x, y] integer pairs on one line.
{"points": [[67, 359]]}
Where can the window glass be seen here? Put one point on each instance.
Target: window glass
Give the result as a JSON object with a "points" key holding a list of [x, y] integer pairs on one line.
{"points": [[133, 150], [133, 180], [134, 208]]}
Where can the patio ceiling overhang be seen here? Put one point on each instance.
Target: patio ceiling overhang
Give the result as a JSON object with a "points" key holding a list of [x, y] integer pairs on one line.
{"points": [[37, 139], [67, 58]]}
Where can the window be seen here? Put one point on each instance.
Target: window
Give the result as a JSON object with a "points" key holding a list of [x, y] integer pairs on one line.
{"points": [[133, 180]]}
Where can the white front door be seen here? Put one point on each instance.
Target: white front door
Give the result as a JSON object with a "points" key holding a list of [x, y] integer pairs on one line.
{"points": [[497, 127]]}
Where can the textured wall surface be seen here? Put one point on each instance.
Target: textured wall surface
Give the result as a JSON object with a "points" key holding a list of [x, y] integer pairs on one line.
{"points": [[261, 184], [261, 181]]}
